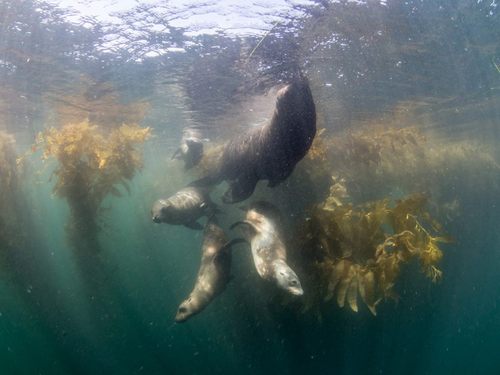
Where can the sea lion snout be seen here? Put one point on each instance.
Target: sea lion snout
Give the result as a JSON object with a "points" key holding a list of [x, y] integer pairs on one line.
{"points": [[182, 314], [287, 279], [158, 210], [295, 288]]}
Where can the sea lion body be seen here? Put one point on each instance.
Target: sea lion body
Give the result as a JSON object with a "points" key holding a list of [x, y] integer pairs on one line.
{"points": [[260, 229], [213, 275], [184, 207], [190, 149], [271, 151]]}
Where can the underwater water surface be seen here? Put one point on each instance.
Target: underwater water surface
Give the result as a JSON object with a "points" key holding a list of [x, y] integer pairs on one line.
{"points": [[390, 221]]}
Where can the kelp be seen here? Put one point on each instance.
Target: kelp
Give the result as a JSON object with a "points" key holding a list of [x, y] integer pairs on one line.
{"points": [[92, 164], [319, 149], [356, 244], [357, 252], [371, 150], [8, 171], [97, 101], [378, 160], [11, 228]]}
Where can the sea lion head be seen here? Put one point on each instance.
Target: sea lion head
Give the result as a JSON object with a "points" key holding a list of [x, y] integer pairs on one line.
{"points": [[161, 209], [193, 152], [287, 279], [267, 210], [185, 311]]}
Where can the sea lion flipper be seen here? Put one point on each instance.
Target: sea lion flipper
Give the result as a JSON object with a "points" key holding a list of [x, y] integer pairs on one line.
{"points": [[276, 181], [234, 225], [211, 210], [241, 188], [246, 224], [223, 259], [194, 143], [194, 153], [235, 241], [204, 182], [176, 154], [194, 225]]}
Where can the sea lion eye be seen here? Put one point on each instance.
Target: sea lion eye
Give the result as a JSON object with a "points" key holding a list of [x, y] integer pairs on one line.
{"points": [[293, 282], [182, 310]]}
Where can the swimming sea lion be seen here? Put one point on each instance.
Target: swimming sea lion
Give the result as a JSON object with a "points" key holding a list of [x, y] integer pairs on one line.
{"points": [[184, 207], [260, 229], [191, 148], [214, 273], [271, 151]]}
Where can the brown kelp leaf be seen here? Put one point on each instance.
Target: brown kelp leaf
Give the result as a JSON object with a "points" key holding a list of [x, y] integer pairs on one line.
{"points": [[342, 291], [367, 290], [352, 293], [363, 248], [337, 273], [92, 163], [344, 283]]}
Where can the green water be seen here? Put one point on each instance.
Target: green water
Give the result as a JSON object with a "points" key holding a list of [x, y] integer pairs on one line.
{"points": [[433, 66]]}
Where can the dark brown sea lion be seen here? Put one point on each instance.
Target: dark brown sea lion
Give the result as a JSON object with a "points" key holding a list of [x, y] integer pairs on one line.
{"points": [[184, 207], [214, 273], [271, 151], [261, 229]]}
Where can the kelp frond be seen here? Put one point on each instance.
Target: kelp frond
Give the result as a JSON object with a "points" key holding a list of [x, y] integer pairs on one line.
{"points": [[356, 253], [92, 163]]}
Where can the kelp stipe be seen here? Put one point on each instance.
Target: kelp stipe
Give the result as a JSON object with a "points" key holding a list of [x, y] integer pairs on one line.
{"points": [[11, 227], [92, 163]]}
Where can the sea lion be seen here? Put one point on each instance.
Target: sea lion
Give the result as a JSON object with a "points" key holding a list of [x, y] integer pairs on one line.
{"points": [[214, 273], [184, 207], [191, 148], [260, 229], [269, 152]]}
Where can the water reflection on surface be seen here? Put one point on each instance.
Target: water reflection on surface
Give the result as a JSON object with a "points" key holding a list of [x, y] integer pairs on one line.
{"points": [[407, 102]]}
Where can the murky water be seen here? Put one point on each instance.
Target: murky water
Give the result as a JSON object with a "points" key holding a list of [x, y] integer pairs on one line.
{"points": [[400, 186]]}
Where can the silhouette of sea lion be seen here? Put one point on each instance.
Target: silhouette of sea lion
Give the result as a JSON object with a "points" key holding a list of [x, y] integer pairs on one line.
{"points": [[269, 152]]}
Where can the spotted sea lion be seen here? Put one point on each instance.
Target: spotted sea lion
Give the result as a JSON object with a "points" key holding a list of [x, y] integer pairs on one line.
{"points": [[260, 229], [213, 275], [184, 207], [269, 152]]}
